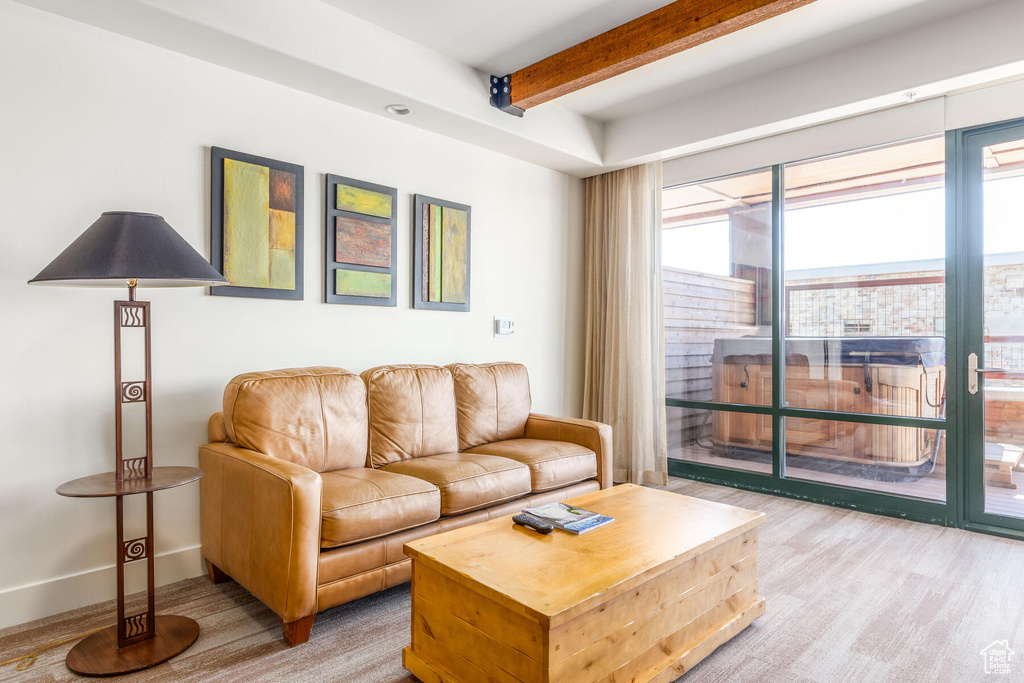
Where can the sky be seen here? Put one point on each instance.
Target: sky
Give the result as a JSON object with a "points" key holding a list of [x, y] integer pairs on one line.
{"points": [[902, 227]]}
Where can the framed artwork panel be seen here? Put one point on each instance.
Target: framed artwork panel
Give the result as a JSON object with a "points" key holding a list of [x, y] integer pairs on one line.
{"points": [[360, 243], [256, 220], [441, 254]]}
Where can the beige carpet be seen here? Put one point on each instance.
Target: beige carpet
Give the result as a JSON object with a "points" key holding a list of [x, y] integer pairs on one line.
{"points": [[851, 597]]}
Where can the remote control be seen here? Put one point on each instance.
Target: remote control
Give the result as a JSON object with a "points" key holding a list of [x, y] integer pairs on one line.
{"points": [[535, 523]]}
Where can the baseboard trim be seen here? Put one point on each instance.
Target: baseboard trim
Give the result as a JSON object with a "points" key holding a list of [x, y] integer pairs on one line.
{"points": [[29, 602]]}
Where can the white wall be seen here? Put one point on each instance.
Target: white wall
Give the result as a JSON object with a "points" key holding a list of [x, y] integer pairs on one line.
{"points": [[91, 121], [313, 46]]}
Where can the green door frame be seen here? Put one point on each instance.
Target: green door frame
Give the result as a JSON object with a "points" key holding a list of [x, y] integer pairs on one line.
{"points": [[970, 226]]}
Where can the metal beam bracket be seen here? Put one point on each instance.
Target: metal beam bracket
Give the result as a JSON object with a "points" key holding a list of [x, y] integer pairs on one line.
{"points": [[501, 95]]}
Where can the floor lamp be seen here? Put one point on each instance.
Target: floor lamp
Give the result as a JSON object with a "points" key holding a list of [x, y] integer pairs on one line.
{"points": [[135, 250]]}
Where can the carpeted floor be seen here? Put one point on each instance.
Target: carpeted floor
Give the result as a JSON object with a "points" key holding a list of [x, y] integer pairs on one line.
{"points": [[851, 597]]}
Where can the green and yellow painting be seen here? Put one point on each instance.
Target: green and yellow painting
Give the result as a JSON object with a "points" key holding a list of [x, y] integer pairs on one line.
{"points": [[366, 202], [361, 240], [445, 254], [259, 226], [362, 283]]}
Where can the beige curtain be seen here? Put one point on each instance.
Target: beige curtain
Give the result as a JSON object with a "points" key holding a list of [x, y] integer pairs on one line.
{"points": [[624, 380]]}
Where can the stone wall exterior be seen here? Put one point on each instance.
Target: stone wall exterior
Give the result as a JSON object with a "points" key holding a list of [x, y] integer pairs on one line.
{"points": [[1004, 316], [917, 310], [911, 310]]}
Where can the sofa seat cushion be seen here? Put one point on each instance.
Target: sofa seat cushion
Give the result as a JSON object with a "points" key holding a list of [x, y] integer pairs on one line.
{"points": [[468, 481], [361, 503], [552, 464]]}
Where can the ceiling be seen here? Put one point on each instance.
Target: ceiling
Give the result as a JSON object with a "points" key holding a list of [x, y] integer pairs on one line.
{"points": [[497, 39], [824, 62]]}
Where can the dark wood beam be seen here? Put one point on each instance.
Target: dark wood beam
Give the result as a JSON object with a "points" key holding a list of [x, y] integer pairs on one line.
{"points": [[667, 31]]}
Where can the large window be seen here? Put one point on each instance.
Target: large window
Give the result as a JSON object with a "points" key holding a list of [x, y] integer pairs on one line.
{"points": [[716, 264], [864, 243], [858, 333]]}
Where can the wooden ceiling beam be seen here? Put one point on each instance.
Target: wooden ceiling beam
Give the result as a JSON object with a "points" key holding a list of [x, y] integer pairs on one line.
{"points": [[669, 30]]}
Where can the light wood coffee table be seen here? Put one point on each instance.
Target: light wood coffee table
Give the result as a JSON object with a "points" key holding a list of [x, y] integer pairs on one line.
{"points": [[642, 599]]}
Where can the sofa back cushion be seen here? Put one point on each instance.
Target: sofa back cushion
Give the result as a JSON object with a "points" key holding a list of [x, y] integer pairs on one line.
{"points": [[314, 417], [411, 412], [493, 402]]}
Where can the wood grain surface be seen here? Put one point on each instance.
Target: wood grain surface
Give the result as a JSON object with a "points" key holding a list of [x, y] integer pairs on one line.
{"points": [[652, 530], [666, 31], [627, 601]]}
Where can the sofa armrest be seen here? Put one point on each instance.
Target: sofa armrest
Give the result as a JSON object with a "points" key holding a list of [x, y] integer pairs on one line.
{"points": [[261, 525], [216, 432], [596, 436]]}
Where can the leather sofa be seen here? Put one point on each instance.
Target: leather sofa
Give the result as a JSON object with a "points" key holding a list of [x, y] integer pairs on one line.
{"points": [[317, 477]]}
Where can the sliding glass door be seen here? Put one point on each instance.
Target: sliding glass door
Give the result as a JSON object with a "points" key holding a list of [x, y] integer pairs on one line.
{"points": [[865, 279], [717, 270], [806, 336], [850, 329], [993, 194]]}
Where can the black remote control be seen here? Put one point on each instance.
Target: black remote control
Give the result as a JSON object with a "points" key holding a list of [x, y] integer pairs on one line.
{"points": [[535, 523]]}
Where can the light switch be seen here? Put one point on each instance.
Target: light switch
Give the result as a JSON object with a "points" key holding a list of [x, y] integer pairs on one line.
{"points": [[504, 327]]}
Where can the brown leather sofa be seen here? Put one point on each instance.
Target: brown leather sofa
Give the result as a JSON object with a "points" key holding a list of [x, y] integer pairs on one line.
{"points": [[317, 477]]}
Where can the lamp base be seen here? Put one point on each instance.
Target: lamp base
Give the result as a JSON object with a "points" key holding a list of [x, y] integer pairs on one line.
{"points": [[98, 655]]}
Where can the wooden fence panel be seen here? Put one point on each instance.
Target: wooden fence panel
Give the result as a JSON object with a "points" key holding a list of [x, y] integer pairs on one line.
{"points": [[699, 308]]}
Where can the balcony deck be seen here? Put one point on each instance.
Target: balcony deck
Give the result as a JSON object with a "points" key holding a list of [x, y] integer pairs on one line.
{"points": [[1000, 500]]}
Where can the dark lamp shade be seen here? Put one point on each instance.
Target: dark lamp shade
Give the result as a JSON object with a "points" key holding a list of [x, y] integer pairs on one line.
{"points": [[122, 246]]}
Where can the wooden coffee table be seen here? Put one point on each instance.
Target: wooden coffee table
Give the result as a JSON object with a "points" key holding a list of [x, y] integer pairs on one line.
{"points": [[642, 599]]}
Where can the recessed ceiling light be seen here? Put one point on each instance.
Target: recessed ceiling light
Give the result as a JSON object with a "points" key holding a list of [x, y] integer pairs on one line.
{"points": [[398, 109]]}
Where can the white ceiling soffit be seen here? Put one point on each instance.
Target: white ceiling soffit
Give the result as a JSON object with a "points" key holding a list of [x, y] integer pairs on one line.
{"points": [[825, 61], [976, 47], [499, 38], [804, 34], [314, 47]]}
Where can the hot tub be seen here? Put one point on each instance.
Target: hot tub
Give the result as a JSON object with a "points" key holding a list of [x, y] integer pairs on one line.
{"points": [[879, 375]]}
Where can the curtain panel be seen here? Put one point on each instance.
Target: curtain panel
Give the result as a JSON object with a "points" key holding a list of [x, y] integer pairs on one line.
{"points": [[624, 377]]}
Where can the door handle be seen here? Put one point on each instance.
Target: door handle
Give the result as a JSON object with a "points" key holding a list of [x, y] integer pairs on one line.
{"points": [[973, 371]]}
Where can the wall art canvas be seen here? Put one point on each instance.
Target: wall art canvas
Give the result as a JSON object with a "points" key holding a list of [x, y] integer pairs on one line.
{"points": [[441, 254], [256, 218], [361, 243]]}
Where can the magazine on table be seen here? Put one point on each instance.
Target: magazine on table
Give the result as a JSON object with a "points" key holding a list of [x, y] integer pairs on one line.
{"points": [[570, 518]]}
